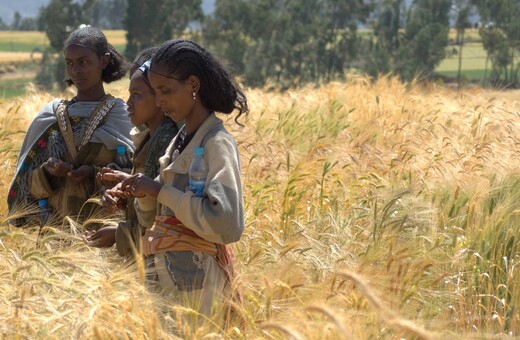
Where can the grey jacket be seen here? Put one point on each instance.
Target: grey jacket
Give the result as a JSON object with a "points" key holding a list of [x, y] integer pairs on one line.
{"points": [[219, 215]]}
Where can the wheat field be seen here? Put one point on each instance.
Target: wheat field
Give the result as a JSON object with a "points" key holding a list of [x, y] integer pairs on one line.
{"points": [[373, 210]]}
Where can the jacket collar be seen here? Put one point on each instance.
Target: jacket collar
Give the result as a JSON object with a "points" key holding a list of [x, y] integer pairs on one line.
{"points": [[181, 163]]}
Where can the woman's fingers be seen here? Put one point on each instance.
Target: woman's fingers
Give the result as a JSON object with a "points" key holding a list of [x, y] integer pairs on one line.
{"points": [[115, 176], [110, 203], [128, 183]]}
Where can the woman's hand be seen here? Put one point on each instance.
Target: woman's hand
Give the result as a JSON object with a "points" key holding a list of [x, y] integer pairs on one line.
{"points": [[113, 199], [103, 238], [109, 177], [139, 185], [56, 167], [82, 173]]}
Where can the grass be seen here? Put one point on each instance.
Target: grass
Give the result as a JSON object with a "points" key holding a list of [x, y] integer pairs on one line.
{"points": [[19, 57], [473, 61], [22, 41], [13, 88], [373, 210], [27, 41]]}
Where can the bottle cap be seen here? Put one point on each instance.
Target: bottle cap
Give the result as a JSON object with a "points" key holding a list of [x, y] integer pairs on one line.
{"points": [[198, 151], [121, 149], [42, 202]]}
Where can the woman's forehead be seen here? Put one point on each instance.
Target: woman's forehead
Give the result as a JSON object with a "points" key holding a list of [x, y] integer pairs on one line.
{"points": [[137, 82], [76, 52], [159, 76], [160, 69]]}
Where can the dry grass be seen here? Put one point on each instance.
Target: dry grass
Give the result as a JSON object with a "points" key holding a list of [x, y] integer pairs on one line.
{"points": [[19, 57], [373, 210], [116, 37]]}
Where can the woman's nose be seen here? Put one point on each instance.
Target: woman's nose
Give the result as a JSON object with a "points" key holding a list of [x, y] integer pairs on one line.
{"points": [[74, 68]]}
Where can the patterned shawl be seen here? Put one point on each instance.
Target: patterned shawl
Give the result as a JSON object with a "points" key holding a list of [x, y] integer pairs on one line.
{"points": [[43, 140]]}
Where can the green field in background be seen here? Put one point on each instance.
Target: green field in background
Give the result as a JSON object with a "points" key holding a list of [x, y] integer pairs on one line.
{"points": [[17, 41], [22, 41], [473, 61], [13, 87]]}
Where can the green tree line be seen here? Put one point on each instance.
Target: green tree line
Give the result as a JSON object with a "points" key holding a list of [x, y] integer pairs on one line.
{"points": [[291, 42]]}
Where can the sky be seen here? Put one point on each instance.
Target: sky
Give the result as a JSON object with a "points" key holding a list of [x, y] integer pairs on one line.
{"points": [[30, 8]]}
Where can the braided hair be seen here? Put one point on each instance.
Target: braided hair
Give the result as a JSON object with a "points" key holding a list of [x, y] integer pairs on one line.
{"points": [[218, 91], [143, 56], [93, 39]]}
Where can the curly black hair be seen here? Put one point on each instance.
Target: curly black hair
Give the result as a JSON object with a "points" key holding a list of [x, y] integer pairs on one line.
{"points": [[218, 91], [92, 38]]}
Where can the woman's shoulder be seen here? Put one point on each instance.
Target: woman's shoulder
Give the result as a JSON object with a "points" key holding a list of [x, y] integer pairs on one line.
{"points": [[219, 139], [119, 107], [218, 131], [118, 101], [52, 104], [49, 108]]}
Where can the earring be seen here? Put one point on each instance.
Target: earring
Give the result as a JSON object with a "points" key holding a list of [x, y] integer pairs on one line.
{"points": [[194, 95]]}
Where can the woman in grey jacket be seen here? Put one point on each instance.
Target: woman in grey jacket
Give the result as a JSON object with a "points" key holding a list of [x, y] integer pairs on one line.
{"points": [[187, 248]]}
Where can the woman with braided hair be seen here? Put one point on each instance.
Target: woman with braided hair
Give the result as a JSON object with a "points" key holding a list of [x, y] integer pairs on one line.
{"points": [[70, 140], [152, 134], [187, 249]]}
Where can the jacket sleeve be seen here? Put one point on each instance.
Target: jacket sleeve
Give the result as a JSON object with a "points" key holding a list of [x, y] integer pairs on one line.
{"points": [[39, 184], [218, 216], [146, 209]]}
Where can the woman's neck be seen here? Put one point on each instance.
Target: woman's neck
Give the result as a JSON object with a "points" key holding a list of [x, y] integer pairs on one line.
{"points": [[91, 95], [154, 124], [194, 121]]}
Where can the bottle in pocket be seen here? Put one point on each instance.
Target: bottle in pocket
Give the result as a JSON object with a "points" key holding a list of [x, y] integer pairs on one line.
{"points": [[121, 158], [43, 205], [197, 172]]}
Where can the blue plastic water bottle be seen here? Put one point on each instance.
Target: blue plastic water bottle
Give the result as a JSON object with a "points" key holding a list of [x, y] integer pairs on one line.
{"points": [[197, 173], [43, 204], [121, 157]]}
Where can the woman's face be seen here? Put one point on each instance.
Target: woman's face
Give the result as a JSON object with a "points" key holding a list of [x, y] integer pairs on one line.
{"points": [[141, 102], [174, 97], [84, 67]]}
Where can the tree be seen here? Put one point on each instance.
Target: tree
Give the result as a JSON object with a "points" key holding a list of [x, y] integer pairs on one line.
{"points": [[23, 24], [286, 42], [3, 25], [107, 14], [151, 22], [58, 19], [462, 10], [424, 40], [382, 51], [340, 42], [16, 21], [228, 29], [501, 37]]}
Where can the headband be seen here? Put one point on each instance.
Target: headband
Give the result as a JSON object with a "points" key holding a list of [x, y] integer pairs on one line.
{"points": [[142, 72], [145, 66]]}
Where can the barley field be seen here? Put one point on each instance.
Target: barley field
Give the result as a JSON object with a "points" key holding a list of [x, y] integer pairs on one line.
{"points": [[373, 210]]}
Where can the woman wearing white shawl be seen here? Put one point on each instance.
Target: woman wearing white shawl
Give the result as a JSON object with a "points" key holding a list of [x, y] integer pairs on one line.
{"points": [[68, 141]]}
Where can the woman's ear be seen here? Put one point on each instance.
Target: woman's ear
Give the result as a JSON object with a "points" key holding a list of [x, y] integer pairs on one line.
{"points": [[194, 83], [105, 59]]}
